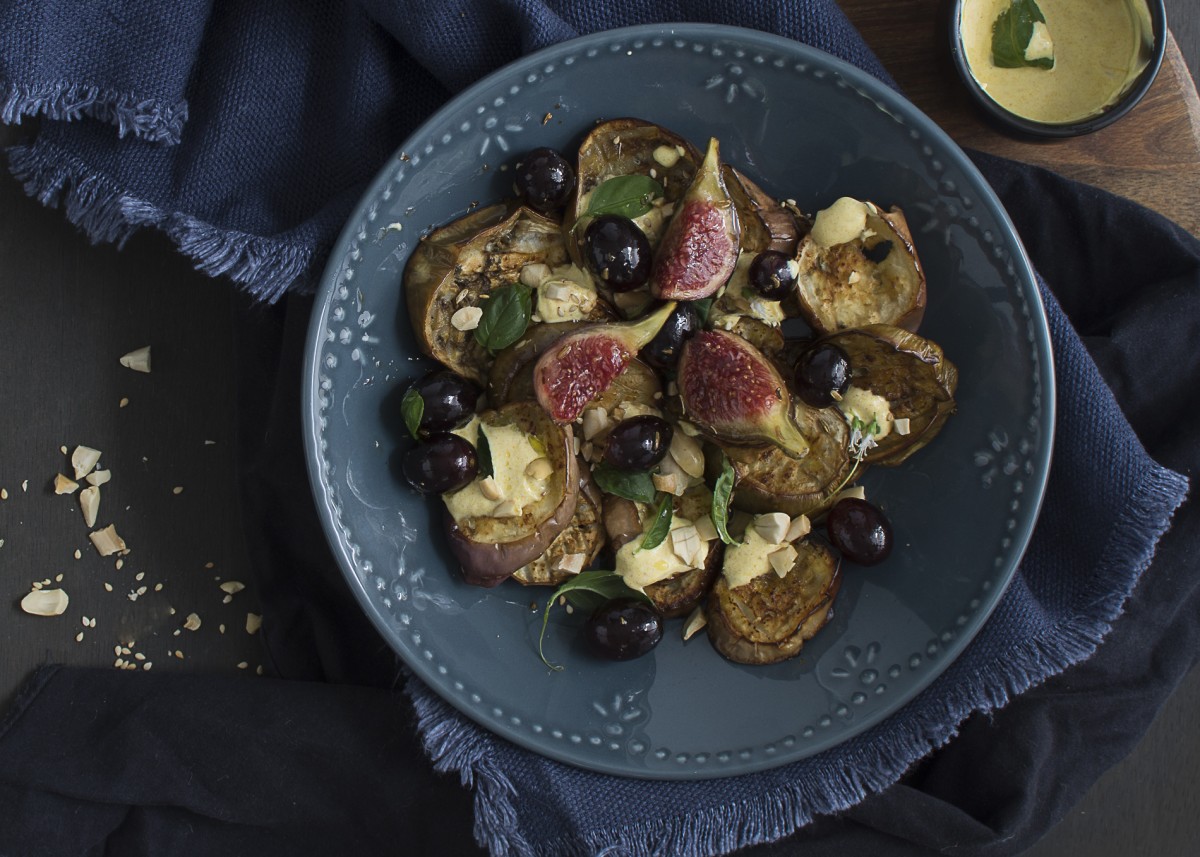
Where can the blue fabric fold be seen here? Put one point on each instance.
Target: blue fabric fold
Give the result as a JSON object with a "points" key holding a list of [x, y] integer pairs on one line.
{"points": [[245, 132], [290, 107]]}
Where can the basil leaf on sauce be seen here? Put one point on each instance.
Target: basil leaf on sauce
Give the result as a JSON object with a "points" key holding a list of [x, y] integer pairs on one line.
{"points": [[662, 523], [506, 314], [483, 457], [586, 591], [1011, 34], [412, 408], [722, 492], [629, 196], [635, 485]]}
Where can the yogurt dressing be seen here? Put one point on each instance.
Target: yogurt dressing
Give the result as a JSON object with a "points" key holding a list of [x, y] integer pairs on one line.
{"points": [[1100, 47]]}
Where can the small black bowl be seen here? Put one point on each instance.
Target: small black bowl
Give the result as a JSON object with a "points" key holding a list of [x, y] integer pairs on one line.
{"points": [[1011, 122]]}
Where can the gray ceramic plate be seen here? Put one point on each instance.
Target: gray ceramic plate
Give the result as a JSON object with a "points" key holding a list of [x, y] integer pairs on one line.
{"points": [[805, 126]]}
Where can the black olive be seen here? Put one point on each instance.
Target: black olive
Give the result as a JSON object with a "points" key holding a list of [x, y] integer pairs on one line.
{"points": [[618, 252], [681, 325], [623, 629], [771, 276], [822, 371], [445, 462], [449, 400], [860, 531], [544, 179], [638, 443]]}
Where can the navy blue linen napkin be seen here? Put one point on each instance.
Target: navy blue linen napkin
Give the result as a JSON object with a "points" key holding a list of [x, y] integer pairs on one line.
{"points": [[236, 197], [290, 106]]}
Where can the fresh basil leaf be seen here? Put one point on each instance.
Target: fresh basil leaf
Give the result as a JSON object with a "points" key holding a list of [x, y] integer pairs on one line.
{"points": [[1011, 34], [703, 307], [629, 196], [505, 316], [412, 408], [587, 591], [662, 523], [483, 456], [722, 493], [635, 485]]}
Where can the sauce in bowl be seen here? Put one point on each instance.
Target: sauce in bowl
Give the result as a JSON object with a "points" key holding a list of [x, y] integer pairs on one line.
{"points": [[1099, 47]]}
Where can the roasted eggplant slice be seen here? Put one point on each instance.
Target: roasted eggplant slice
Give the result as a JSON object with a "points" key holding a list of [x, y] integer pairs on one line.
{"points": [[858, 266], [624, 147], [676, 595], [456, 267], [490, 540], [913, 376], [577, 546], [770, 618], [766, 225], [767, 480]]}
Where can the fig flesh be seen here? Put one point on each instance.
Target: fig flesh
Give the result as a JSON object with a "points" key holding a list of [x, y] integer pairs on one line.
{"points": [[582, 365], [700, 248], [733, 393]]}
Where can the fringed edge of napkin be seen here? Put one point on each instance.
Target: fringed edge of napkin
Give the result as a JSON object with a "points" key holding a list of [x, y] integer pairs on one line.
{"points": [[146, 118], [265, 267], [836, 780]]}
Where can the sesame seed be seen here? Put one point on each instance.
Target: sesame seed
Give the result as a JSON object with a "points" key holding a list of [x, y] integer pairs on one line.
{"points": [[147, 665], [79, 637], [178, 489], [108, 587], [242, 665], [139, 575]]}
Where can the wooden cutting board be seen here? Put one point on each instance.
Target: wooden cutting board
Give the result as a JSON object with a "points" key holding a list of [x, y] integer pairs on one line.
{"points": [[1151, 155]]}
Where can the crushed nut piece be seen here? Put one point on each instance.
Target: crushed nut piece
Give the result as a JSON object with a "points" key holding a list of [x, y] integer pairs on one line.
{"points": [[63, 485], [124, 401], [232, 586], [192, 623], [83, 459], [695, 622], [466, 318], [253, 623], [89, 503], [45, 602], [137, 360], [99, 477], [107, 541]]}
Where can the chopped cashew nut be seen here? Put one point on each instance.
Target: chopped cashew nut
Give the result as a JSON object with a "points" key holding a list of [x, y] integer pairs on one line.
{"points": [[45, 602], [83, 459], [138, 360]]}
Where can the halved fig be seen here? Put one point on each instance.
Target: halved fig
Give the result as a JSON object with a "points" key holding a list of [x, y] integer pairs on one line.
{"points": [[622, 147], [731, 392], [767, 480], [679, 594], [700, 247], [455, 267], [769, 619], [576, 547], [581, 365], [491, 546], [914, 377], [858, 266]]}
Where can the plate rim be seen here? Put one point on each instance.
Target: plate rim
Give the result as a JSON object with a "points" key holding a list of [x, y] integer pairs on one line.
{"points": [[800, 51]]}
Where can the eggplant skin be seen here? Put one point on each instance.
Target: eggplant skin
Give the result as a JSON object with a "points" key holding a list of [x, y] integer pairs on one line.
{"points": [[489, 549], [767, 480], [769, 619], [840, 287], [584, 535], [912, 373]]}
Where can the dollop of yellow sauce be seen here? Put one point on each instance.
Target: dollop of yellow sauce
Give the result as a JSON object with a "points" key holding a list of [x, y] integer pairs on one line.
{"points": [[1100, 47]]}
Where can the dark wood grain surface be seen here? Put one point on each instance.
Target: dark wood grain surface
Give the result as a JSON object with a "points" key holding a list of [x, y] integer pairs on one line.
{"points": [[69, 310]]}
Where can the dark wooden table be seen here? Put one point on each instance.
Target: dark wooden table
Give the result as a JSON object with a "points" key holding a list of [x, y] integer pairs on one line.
{"points": [[69, 310]]}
